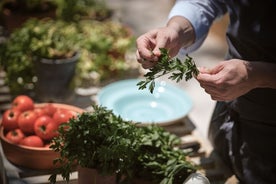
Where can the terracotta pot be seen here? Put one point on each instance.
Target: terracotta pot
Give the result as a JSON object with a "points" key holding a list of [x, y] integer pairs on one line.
{"points": [[91, 176]]}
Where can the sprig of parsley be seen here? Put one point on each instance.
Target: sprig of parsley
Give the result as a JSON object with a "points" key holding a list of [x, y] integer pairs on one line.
{"points": [[166, 65]]}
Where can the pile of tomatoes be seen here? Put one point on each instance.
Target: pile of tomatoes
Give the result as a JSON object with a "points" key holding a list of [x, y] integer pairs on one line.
{"points": [[33, 125]]}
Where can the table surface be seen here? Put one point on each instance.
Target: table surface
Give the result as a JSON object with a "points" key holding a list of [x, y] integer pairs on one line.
{"points": [[192, 140]]}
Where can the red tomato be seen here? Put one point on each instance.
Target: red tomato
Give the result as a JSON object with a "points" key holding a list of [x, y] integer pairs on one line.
{"points": [[49, 109], [45, 127], [26, 121], [33, 141], [23, 103], [63, 116], [9, 119], [39, 111], [15, 136]]}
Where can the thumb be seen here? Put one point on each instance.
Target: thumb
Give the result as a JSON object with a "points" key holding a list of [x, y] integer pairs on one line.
{"points": [[211, 71], [216, 69], [161, 42], [204, 70], [209, 75]]}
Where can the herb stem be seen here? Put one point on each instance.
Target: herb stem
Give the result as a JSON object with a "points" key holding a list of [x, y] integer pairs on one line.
{"points": [[166, 65]]}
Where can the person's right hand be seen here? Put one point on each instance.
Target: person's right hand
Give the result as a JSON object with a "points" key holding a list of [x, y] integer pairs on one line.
{"points": [[149, 43], [176, 34]]}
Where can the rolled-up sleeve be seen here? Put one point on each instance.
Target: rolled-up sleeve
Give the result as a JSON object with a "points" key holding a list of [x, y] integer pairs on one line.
{"points": [[201, 14]]}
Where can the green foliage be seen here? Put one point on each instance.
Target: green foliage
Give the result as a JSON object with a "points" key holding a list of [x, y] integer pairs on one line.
{"points": [[101, 45], [103, 53], [36, 39], [105, 142], [166, 65], [52, 39], [75, 10], [28, 5]]}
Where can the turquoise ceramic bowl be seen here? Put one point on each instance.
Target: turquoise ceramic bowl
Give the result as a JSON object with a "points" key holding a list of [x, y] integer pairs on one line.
{"points": [[167, 104]]}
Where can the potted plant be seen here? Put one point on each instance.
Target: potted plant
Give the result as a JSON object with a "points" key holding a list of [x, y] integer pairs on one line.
{"points": [[40, 42], [103, 144], [101, 50]]}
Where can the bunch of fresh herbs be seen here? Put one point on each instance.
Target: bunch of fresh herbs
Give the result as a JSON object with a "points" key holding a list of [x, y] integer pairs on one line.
{"points": [[166, 65], [103, 141]]}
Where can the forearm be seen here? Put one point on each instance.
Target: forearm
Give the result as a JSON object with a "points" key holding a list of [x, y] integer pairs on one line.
{"points": [[262, 74], [199, 14]]}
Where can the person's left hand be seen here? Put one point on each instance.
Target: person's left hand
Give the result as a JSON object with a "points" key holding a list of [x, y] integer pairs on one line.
{"points": [[226, 81]]}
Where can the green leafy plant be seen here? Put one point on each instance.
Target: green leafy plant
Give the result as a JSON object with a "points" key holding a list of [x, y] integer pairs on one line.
{"points": [[103, 141], [53, 39], [75, 10], [168, 65], [36, 39], [101, 46], [103, 51]]}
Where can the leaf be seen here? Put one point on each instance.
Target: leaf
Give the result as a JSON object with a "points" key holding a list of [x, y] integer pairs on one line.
{"points": [[166, 65]]}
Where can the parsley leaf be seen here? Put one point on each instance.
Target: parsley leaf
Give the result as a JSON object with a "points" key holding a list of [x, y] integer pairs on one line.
{"points": [[166, 65]]}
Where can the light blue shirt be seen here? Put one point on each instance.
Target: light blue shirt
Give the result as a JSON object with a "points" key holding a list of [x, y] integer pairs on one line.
{"points": [[201, 14]]}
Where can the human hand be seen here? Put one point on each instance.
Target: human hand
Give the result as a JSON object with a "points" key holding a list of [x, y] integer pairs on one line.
{"points": [[176, 34], [226, 81], [149, 44]]}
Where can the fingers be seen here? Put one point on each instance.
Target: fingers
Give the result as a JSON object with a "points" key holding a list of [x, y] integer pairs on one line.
{"points": [[210, 83], [146, 64], [219, 93], [206, 78], [161, 42], [204, 70], [211, 76], [149, 44], [145, 45], [215, 86]]}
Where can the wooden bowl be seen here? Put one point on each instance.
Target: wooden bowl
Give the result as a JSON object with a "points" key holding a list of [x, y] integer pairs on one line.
{"points": [[32, 157]]}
